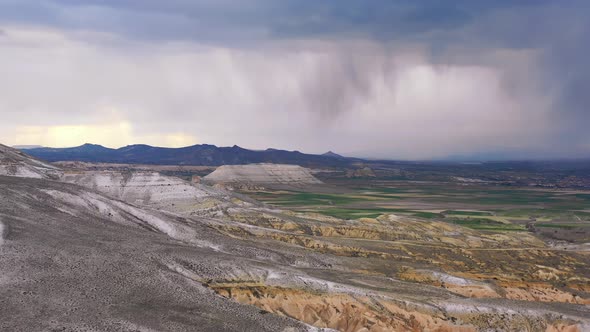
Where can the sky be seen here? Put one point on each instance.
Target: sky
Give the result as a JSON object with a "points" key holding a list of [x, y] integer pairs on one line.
{"points": [[394, 79]]}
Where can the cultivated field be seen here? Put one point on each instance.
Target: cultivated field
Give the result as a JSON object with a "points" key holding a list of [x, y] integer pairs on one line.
{"points": [[556, 213]]}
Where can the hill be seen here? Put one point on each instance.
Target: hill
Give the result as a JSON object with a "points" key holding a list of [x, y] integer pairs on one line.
{"points": [[332, 154], [198, 155]]}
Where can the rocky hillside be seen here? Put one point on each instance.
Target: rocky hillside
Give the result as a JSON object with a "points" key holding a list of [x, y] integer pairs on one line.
{"points": [[16, 163], [74, 260], [151, 189]]}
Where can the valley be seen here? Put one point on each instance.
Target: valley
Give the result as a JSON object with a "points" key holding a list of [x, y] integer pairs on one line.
{"points": [[111, 247]]}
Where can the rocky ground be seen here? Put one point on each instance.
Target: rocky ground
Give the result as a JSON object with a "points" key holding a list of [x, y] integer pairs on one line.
{"points": [[139, 251]]}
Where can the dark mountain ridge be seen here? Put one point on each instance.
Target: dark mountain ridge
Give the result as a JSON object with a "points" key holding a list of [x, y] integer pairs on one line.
{"points": [[196, 155], [332, 154]]}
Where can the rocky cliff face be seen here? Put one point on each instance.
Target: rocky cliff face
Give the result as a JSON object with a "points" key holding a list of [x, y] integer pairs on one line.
{"points": [[263, 174]]}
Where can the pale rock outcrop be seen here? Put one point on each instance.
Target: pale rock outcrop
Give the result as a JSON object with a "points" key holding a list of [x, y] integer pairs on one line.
{"points": [[263, 174]]}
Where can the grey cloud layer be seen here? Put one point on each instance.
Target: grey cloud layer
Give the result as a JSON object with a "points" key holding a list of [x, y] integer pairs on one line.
{"points": [[379, 78], [224, 19]]}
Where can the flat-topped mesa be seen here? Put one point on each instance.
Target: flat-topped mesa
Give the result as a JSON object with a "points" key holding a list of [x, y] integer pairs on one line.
{"points": [[16, 163], [262, 174]]}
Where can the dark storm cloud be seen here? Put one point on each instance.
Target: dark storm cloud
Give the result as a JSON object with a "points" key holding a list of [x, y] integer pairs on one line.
{"points": [[339, 56], [224, 19], [559, 31]]}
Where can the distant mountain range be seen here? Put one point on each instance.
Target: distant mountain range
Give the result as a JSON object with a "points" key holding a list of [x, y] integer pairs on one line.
{"points": [[199, 155]]}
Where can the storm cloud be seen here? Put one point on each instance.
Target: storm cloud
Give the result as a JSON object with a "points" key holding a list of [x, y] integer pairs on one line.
{"points": [[391, 79]]}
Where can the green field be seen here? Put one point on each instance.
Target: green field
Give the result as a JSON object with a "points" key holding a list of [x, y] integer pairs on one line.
{"points": [[483, 208]]}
